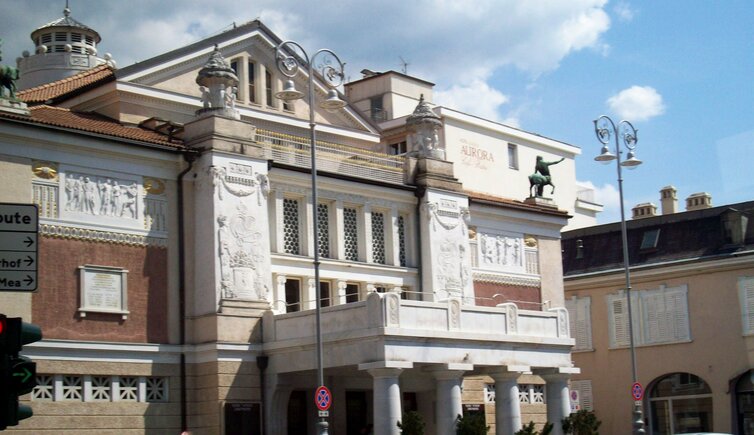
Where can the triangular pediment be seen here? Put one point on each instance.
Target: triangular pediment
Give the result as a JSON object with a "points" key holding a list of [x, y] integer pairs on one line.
{"points": [[251, 48]]}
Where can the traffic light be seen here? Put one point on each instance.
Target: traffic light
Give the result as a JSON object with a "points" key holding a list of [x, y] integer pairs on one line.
{"points": [[18, 374]]}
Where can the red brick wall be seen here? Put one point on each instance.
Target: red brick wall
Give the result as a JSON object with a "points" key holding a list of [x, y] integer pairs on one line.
{"points": [[56, 302], [510, 293]]}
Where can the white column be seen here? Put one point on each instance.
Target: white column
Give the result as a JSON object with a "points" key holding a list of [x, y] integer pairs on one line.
{"points": [[365, 249], [340, 298], [386, 396], [507, 406], [338, 249], [448, 403], [392, 247], [308, 229], [558, 402], [279, 299], [309, 296], [278, 229]]}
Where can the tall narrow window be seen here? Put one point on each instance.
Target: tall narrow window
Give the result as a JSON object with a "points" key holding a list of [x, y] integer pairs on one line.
{"points": [[292, 295], [324, 293], [512, 156], [402, 240], [352, 293], [579, 317], [268, 88], [291, 242], [377, 109], [378, 237], [252, 82], [323, 238], [351, 234]]}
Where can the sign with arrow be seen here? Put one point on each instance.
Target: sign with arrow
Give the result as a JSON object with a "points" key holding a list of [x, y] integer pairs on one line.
{"points": [[19, 225]]}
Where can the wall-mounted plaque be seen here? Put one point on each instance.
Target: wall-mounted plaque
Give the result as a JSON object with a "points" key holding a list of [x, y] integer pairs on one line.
{"points": [[103, 290]]}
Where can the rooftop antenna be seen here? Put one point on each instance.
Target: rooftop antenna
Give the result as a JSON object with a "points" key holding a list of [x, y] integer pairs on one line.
{"points": [[404, 65]]}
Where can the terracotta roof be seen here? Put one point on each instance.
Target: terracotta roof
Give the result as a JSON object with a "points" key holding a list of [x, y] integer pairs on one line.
{"points": [[67, 87], [512, 203], [92, 123]]}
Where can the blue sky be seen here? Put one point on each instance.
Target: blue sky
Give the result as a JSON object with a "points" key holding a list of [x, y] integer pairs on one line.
{"points": [[681, 71]]}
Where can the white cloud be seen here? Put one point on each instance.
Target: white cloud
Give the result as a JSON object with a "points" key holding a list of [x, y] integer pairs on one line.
{"points": [[476, 97], [637, 103], [624, 12], [609, 197]]}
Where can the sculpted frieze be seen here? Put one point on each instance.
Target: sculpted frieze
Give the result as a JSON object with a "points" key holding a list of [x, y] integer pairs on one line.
{"points": [[101, 196]]}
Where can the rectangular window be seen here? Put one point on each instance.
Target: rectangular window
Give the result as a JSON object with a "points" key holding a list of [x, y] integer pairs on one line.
{"points": [[402, 240], [512, 156], [351, 234], [268, 88], [378, 237], [376, 109], [323, 238], [659, 316], [324, 293], [397, 148], [292, 295], [291, 235], [250, 75], [746, 299], [580, 321], [352, 293]]}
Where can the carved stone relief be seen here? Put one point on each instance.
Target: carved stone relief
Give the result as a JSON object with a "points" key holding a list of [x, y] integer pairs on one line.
{"points": [[101, 196], [449, 229]]}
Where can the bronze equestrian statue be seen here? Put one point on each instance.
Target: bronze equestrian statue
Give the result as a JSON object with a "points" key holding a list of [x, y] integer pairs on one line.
{"points": [[541, 177], [8, 77]]}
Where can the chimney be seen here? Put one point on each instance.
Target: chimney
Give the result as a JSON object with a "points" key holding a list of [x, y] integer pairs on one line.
{"points": [[644, 210], [668, 200], [698, 201]]}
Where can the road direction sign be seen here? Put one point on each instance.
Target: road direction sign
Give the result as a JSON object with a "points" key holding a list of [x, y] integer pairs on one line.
{"points": [[19, 250], [323, 398]]}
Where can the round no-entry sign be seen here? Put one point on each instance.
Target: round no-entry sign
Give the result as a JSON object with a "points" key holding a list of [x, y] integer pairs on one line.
{"points": [[637, 392], [323, 398]]}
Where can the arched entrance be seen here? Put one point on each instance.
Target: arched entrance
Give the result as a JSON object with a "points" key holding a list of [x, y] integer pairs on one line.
{"points": [[680, 403], [745, 403]]}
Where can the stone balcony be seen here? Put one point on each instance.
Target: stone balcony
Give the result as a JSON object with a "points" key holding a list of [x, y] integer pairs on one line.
{"points": [[417, 333]]}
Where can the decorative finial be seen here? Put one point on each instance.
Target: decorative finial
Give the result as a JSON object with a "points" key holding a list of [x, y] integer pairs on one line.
{"points": [[67, 10]]}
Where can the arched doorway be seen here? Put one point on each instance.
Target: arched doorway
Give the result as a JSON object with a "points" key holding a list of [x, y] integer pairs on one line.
{"points": [[745, 403], [680, 403]]}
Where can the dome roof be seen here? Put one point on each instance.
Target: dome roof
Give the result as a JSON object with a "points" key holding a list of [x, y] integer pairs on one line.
{"points": [[66, 22]]}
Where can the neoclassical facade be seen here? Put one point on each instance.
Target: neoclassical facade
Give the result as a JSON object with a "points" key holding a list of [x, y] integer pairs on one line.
{"points": [[177, 287]]}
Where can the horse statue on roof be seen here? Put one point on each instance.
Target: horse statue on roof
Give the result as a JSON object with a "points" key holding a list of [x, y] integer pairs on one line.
{"points": [[541, 177], [8, 77]]}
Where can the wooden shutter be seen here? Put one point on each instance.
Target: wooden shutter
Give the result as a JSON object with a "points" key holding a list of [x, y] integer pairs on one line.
{"points": [[618, 315], [746, 298], [584, 387], [580, 321]]}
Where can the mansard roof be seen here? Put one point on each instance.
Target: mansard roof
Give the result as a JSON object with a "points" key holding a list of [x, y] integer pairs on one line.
{"points": [[60, 90], [660, 240]]}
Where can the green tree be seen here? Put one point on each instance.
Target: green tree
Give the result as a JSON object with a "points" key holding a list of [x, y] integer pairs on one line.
{"points": [[530, 430], [581, 423], [471, 424], [412, 423]]}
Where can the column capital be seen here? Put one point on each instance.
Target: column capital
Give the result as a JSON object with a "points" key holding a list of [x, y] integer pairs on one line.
{"points": [[557, 373], [386, 368], [449, 371]]}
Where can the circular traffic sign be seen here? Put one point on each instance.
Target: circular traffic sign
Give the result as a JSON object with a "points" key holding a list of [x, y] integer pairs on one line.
{"points": [[323, 398], [637, 392]]}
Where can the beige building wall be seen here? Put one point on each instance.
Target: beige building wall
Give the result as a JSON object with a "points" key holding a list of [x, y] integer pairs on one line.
{"points": [[717, 352]]}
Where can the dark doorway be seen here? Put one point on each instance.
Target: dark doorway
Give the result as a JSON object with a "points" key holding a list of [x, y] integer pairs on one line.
{"points": [[297, 413], [243, 419], [357, 414]]}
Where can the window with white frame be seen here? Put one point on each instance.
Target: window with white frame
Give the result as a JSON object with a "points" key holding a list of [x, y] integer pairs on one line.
{"points": [[323, 237], [402, 240], [660, 316], [512, 156], [580, 321], [350, 234], [378, 237], [291, 226], [746, 299]]}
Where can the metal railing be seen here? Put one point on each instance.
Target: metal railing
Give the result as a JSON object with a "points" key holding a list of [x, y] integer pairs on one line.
{"points": [[332, 157]]}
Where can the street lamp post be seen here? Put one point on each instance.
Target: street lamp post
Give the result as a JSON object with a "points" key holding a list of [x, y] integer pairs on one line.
{"points": [[624, 132], [290, 58]]}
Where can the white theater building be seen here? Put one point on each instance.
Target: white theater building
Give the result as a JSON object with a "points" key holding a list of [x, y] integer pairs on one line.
{"points": [[435, 267]]}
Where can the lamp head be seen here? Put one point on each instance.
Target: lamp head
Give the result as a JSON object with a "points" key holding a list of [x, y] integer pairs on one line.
{"points": [[605, 155], [289, 92], [333, 101], [631, 162]]}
